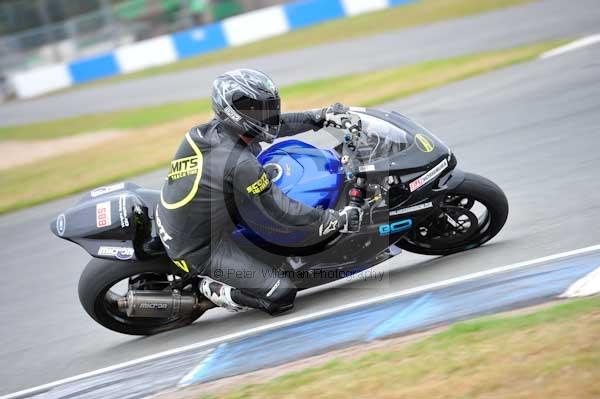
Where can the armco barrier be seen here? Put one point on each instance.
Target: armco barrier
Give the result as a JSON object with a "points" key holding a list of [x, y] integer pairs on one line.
{"points": [[234, 31]]}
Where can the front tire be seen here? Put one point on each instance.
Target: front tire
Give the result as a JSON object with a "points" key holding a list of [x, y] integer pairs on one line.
{"points": [[475, 190], [96, 297]]}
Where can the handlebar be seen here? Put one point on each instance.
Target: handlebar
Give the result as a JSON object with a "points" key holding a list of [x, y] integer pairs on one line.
{"points": [[347, 123], [353, 132]]}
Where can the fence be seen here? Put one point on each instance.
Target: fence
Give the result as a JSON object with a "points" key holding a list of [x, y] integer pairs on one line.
{"points": [[42, 32], [160, 50]]}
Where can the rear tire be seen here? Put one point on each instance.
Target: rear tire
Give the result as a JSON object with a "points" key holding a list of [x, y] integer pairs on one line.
{"points": [[95, 282], [476, 188]]}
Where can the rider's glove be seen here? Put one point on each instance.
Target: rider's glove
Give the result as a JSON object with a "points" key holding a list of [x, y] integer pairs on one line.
{"points": [[335, 115], [350, 219]]}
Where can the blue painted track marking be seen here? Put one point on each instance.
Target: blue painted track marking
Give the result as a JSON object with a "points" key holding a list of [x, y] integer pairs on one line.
{"points": [[205, 366], [400, 316], [415, 309]]}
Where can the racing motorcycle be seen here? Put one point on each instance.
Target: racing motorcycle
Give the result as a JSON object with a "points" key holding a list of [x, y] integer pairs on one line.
{"points": [[404, 177]]}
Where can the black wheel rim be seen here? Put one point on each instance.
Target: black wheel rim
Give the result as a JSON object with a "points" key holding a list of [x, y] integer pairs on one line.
{"points": [[462, 221]]}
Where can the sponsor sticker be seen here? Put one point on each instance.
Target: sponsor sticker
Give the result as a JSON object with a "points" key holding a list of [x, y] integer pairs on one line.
{"points": [[232, 114], [366, 168], [103, 216], [429, 176], [259, 186], [155, 306], [121, 253], [412, 209], [61, 224], [396, 227], [123, 214], [424, 143], [183, 167], [107, 189], [162, 233]]}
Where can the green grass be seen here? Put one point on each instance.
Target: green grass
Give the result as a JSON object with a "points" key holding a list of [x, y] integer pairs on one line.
{"points": [[364, 89], [126, 119], [549, 353], [145, 149], [419, 13]]}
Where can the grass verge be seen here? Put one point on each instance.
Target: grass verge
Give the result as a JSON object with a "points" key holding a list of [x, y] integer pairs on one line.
{"points": [[145, 149], [419, 13], [125, 119], [551, 353], [365, 88]]}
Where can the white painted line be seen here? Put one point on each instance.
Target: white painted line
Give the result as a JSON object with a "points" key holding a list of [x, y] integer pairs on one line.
{"points": [[577, 44], [303, 318], [585, 286]]}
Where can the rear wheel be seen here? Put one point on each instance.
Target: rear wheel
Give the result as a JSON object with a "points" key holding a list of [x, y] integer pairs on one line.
{"points": [[104, 282], [472, 214]]}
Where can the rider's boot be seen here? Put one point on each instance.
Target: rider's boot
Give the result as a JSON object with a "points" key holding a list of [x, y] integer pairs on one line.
{"points": [[220, 294], [236, 300]]}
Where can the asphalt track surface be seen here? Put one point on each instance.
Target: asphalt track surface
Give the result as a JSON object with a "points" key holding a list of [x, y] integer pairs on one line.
{"points": [[532, 128], [545, 20]]}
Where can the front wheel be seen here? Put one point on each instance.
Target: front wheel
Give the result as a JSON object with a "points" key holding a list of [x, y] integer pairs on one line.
{"points": [[103, 282], [472, 214]]}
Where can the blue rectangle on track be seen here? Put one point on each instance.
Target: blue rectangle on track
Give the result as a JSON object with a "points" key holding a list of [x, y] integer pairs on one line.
{"points": [[199, 40], [309, 12], [94, 68]]}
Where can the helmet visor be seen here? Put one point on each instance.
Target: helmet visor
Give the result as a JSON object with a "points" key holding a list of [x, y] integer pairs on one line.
{"points": [[263, 111]]}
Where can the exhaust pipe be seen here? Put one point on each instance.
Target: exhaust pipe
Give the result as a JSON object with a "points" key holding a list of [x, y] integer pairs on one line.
{"points": [[158, 304]]}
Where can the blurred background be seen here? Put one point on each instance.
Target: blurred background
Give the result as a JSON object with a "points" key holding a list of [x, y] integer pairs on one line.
{"points": [[35, 33]]}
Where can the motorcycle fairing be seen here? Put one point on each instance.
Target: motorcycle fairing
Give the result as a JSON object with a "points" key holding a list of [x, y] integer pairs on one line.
{"points": [[128, 227]]}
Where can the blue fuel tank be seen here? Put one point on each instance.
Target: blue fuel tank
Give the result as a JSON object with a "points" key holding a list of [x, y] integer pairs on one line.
{"points": [[304, 172]]}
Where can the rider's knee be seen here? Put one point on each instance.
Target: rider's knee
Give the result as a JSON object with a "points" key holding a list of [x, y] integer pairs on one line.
{"points": [[280, 297], [283, 292]]}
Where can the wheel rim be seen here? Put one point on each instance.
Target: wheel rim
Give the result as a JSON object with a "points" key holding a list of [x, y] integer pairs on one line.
{"points": [[462, 222]]}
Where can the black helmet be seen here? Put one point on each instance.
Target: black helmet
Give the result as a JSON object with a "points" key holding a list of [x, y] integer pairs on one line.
{"points": [[248, 102]]}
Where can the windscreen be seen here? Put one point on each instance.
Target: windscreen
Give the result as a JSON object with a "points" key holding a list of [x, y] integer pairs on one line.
{"points": [[380, 139]]}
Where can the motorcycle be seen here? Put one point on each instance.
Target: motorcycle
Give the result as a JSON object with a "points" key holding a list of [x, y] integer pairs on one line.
{"points": [[405, 178]]}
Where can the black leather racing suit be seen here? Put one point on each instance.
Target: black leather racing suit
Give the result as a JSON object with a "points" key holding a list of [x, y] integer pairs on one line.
{"points": [[214, 178]]}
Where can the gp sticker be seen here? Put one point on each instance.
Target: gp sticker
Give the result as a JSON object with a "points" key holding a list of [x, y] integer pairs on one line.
{"points": [[424, 143], [259, 186], [396, 227]]}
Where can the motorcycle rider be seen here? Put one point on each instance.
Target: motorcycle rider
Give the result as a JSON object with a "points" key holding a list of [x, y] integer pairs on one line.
{"points": [[215, 173]]}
